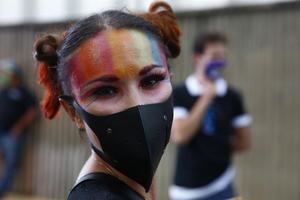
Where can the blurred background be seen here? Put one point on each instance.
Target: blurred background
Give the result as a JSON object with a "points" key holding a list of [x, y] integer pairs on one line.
{"points": [[263, 62]]}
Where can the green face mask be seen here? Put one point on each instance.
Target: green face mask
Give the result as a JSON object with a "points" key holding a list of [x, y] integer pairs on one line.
{"points": [[7, 69], [5, 79]]}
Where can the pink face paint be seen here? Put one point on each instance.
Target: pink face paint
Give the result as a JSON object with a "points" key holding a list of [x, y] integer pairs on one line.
{"points": [[120, 53]]}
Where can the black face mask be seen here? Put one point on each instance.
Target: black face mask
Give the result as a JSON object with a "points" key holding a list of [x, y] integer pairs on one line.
{"points": [[134, 140]]}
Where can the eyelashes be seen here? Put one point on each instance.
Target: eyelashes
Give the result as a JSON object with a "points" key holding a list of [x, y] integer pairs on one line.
{"points": [[106, 91], [152, 80]]}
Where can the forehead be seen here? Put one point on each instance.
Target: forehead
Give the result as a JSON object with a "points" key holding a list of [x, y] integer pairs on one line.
{"points": [[121, 52], [215, 46]]}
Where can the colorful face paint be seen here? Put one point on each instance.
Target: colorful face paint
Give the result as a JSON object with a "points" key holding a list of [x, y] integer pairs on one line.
{"points": [[119, 53]]}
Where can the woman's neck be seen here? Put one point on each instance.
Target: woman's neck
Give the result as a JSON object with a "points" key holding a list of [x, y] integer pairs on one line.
{"points": [[97, 164]]}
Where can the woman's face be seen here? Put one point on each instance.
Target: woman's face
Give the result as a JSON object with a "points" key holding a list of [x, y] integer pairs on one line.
{"points": [[119, 69]]}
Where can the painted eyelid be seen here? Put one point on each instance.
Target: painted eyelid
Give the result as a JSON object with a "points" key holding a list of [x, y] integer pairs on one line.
{"points": [[101, 89], [155, 71], [91, 90], [158, 77], [153, 67], [104, 80]]}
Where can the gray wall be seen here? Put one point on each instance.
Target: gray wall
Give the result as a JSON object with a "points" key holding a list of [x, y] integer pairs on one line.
{"points": [[264, 65]]}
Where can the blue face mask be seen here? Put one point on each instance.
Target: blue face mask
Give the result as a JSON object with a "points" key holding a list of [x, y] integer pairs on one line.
{"points": [[212, 70]]}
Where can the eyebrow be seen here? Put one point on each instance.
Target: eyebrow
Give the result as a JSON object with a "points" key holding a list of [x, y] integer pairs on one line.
{"points": [[147, 69]]}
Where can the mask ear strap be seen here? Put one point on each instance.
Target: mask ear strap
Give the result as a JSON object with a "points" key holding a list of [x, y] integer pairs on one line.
{"points": [[70, 100], [103, 155], [67, 98]]}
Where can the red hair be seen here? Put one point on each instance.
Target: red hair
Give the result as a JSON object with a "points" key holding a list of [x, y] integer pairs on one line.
{"points": [[47, 60], [161, 16]]}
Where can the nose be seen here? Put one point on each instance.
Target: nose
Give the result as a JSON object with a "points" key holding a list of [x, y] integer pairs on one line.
{"points": [[134, 97]]}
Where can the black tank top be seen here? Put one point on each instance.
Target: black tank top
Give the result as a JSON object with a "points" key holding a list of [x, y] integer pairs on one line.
{"points": [[102, 186]]}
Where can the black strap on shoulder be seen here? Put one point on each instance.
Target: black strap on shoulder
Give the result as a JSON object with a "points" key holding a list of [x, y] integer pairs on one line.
{"points": [[91, 176], [102, 176]]}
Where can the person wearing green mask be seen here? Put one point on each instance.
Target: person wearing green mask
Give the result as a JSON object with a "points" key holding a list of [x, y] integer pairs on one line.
{"points": [[17, 112], [6, 73]]}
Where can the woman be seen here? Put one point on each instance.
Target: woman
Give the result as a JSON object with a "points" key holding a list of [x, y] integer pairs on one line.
{"points": [[110, 73]]}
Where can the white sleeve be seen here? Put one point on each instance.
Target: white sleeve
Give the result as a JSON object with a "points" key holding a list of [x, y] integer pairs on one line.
{"points": [[242, 121], [180, 113]]}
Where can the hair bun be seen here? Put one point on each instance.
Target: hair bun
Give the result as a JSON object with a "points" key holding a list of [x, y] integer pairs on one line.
{"points": [[161, 16], [159, 7], [45, 49], [46, 55]]}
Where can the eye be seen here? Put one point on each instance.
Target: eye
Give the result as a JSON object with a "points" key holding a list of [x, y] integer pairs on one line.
{"points": [[151, 81], [106, 91]]}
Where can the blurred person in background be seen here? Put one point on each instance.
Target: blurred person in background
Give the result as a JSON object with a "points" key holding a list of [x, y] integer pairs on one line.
{"points": [[110, 73], [210, 124], [17, 112]]}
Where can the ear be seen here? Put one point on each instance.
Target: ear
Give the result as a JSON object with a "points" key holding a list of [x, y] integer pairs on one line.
{"points": [[72, 113]]}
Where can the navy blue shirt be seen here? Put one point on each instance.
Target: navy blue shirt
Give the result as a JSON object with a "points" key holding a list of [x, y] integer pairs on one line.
{"points": [[14, 102]]}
